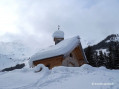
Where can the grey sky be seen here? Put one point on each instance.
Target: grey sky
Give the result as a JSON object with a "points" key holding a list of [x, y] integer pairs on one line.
{"points": [[34, 21]]}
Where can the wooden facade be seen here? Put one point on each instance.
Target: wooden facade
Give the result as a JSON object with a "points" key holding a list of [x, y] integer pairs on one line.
{"points": [[77, 54], [51, 62]]}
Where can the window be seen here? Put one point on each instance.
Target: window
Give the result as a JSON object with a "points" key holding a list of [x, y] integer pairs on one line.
{"points": [[71, 55]]}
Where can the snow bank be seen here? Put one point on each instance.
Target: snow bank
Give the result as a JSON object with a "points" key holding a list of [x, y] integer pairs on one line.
{"points": [[62, 48], [83, 77], [40, 67]]}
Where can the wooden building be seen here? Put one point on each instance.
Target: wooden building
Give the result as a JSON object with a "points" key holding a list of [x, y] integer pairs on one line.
{"points": [[65, 52]]}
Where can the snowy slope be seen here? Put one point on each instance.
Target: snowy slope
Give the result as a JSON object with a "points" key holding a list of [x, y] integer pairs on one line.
{"points": [[12, 53], [14, 49], [5, 61], [85, 77]]}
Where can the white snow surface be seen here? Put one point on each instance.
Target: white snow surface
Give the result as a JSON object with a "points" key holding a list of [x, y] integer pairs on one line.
{"points": [[62, 48], [103, 51], [58, 34], [83, 77], [40, 67]]}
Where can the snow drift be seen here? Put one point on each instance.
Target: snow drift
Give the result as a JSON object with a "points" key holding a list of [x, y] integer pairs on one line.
{"points": [[84, 77]]}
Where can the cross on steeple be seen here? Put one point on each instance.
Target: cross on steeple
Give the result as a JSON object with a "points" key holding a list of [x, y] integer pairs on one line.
{"points": [[58, 27]]}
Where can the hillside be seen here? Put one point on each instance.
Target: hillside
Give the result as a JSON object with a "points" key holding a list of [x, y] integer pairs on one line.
{"points": [[104, 44], [105, 53], [12, 53]]}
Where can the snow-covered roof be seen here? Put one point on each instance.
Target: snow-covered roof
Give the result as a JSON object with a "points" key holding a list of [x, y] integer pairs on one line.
{"points": [[62, 48], [58, 34]]}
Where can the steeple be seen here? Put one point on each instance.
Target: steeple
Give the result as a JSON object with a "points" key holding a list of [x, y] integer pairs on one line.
{"points": [[58, 35]]}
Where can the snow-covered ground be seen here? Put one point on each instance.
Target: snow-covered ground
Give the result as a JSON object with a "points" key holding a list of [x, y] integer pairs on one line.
{"points": [[84, 77]]}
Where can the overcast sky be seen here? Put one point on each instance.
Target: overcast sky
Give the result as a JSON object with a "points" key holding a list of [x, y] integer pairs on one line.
{"points": [[34, 21]]}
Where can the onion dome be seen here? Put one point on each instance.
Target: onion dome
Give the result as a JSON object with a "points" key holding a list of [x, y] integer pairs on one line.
{"points": [[58, 34]]}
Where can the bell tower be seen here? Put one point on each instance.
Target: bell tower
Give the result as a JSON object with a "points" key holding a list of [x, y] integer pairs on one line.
{"points": [[58, 35]]}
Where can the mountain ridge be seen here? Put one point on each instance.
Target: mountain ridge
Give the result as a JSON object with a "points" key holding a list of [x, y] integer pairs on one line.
{"points": [[108, 41]]}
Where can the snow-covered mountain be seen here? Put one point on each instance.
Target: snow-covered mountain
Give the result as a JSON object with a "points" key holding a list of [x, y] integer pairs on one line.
{"points": [[12, 53], [104, 44], [113, 37], [14, 49], [109, 40]]}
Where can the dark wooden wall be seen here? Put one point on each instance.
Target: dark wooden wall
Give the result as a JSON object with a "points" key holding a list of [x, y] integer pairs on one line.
{"points": [[50, 62]]}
